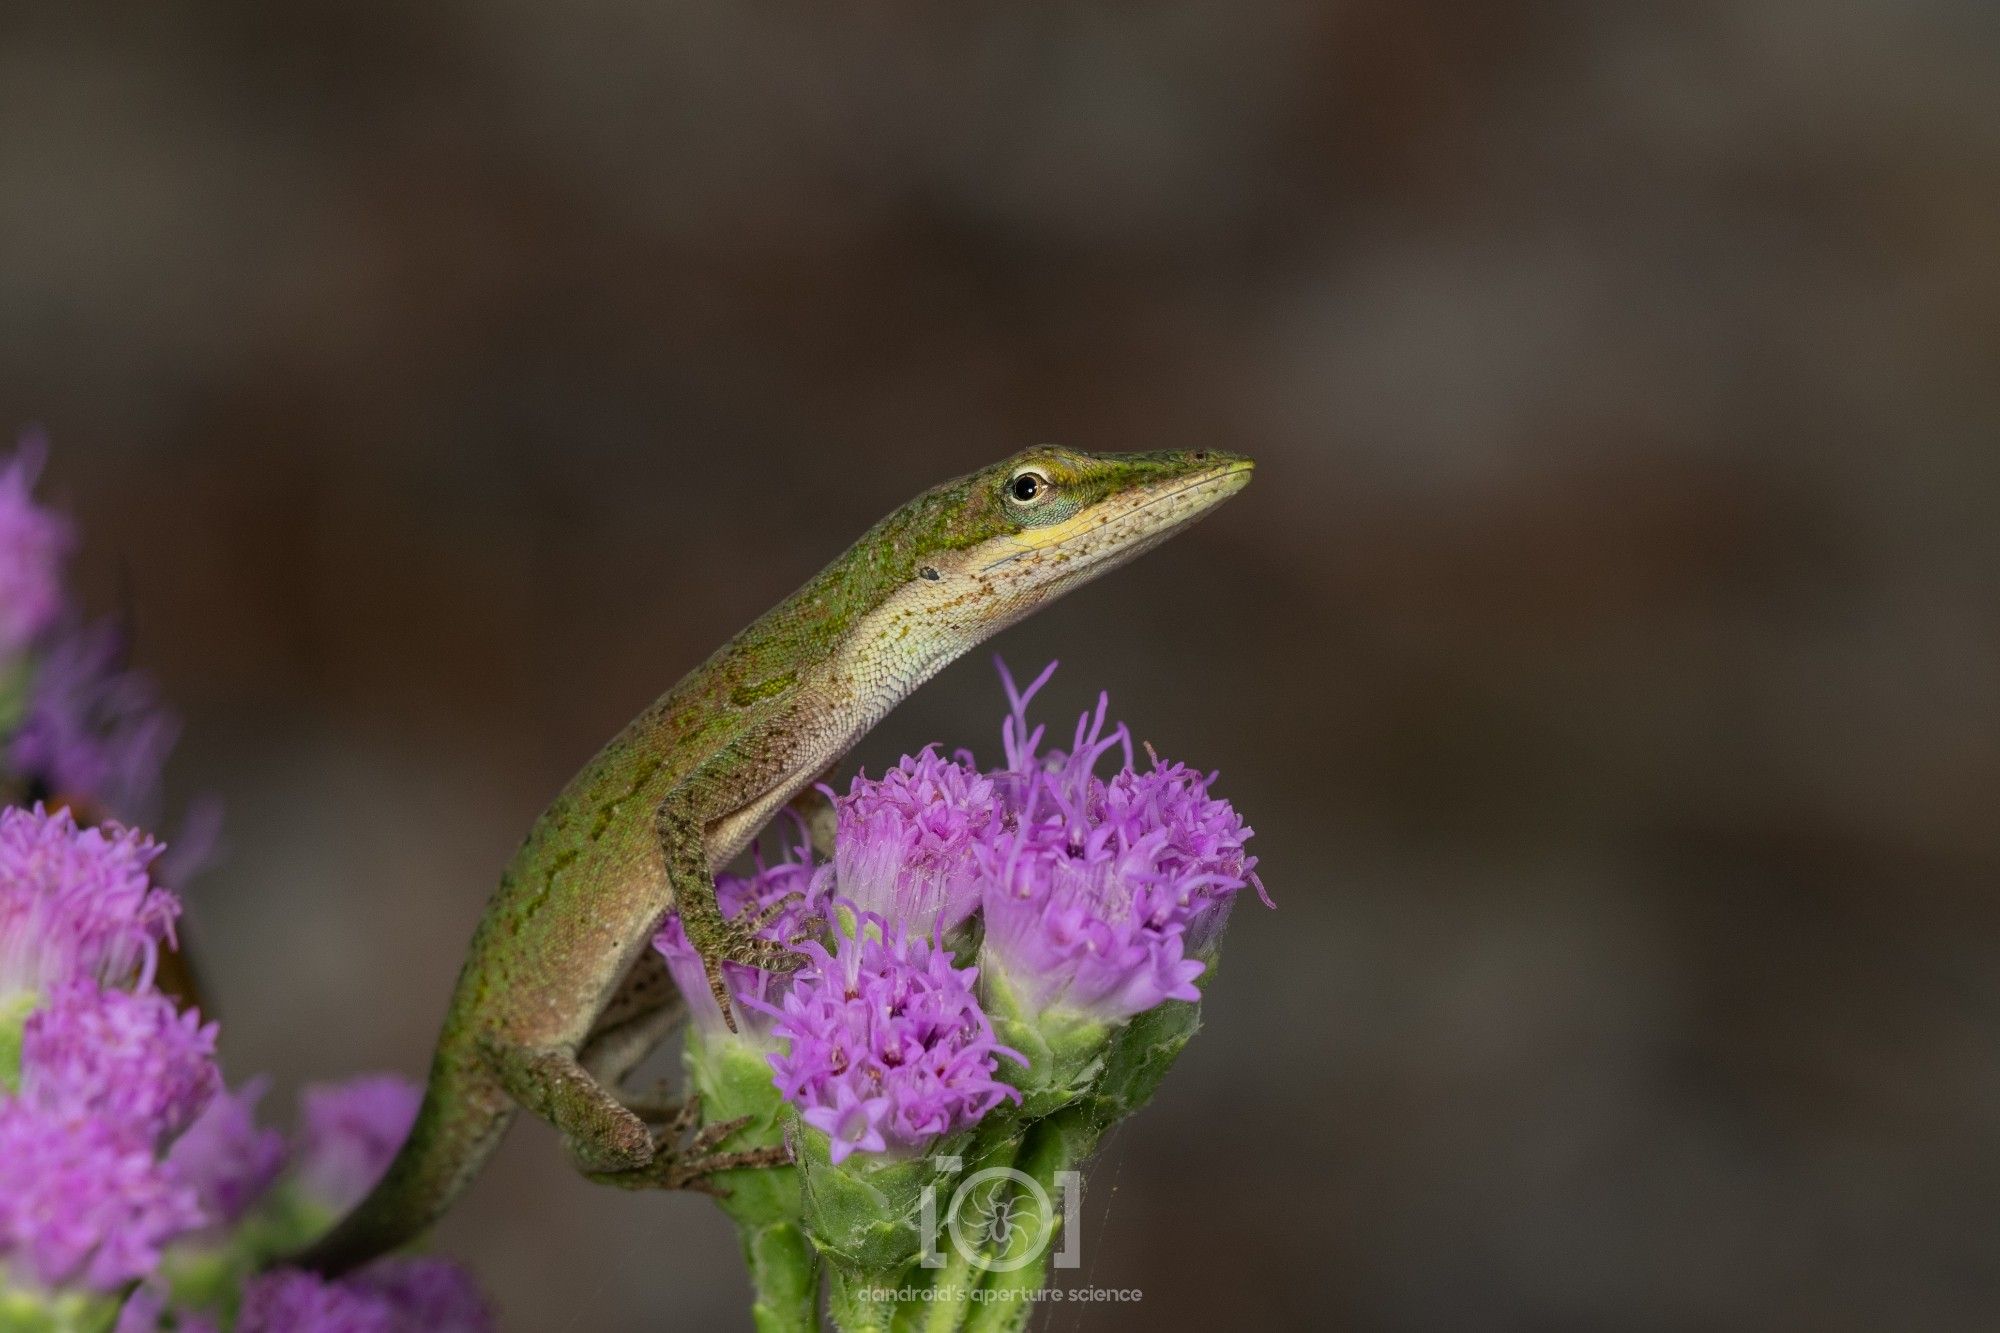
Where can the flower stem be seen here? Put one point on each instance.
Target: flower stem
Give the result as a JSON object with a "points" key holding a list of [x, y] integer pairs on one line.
{"points": [[1055, 1145], [851, 1305], [951, 1300], [735, 1083], [785, 1273]]}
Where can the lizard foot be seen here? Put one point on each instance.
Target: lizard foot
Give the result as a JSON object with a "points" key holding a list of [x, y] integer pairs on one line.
{"points": [[788, 957], [751, 921], [718, 940], [684, 1161]]}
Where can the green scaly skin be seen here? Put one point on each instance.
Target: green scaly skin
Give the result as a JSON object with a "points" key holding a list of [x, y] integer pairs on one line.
{"points": [[559, 996]]}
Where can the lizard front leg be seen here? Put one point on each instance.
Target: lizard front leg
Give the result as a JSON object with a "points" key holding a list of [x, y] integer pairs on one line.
{"points": [[681, 821]]}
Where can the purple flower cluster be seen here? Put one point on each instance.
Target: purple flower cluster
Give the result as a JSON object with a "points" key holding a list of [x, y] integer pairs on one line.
{"points": [[83, 1201], [397, 1295], [118, 1140], [124, 1163], [77, 902], [107, 1076], [88, 729], [129, 1058], [230, 1159], [1098, 891], [34, 542], [1095, 897], [94, 728], [906, 844], [887, 1045]]}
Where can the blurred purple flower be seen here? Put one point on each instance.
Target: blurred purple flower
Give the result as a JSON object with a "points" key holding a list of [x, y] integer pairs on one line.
{"points": [[906, 843], [291, 1301], [349, 1132], [33, 545], [389, 1296], [94, 730], [735, 894], [887, 1047], [429, 1295], [1097, 892], [83, 1200], [227, 1157], [129, 1058], [77, 902]]}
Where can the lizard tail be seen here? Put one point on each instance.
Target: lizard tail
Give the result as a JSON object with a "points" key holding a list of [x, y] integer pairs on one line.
{"points": [[458, 1126]]}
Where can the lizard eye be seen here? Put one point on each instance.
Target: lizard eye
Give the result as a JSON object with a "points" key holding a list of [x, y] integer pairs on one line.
{"points": [[1026, 488]]}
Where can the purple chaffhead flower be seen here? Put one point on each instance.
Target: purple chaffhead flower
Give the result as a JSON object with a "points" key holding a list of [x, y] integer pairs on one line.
{"points": [[397, 1295], [1097, 893], [1203, 854], [83, 1201], [34, 542], [228, 1158], [106, 1075], [906, 844], [349, 1131], [735, 894], [887, 1047], [77, 902], [129, 1058], [291, 1301], [94, 729], [428, 1295]]}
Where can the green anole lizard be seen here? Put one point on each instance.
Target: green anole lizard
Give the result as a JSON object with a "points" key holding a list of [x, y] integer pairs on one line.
{"points": [[560, 997]]}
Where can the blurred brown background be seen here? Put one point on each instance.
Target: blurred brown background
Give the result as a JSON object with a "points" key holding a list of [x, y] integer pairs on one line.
{"points": [[1606, 653]]}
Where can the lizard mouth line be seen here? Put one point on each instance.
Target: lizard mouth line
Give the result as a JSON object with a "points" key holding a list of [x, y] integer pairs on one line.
{"points": [[1128, 515]]}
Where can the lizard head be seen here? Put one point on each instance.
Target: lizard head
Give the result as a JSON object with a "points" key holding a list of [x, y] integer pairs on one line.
{"points": [[1000, 541], [971, 556], [1067, 515]]}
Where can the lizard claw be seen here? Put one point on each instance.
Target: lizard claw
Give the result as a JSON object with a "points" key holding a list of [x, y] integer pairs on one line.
{"points": [[707, 1137], [711, 966], [690, 1165], [791, 957], [751, 921], [692, 1173]]}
